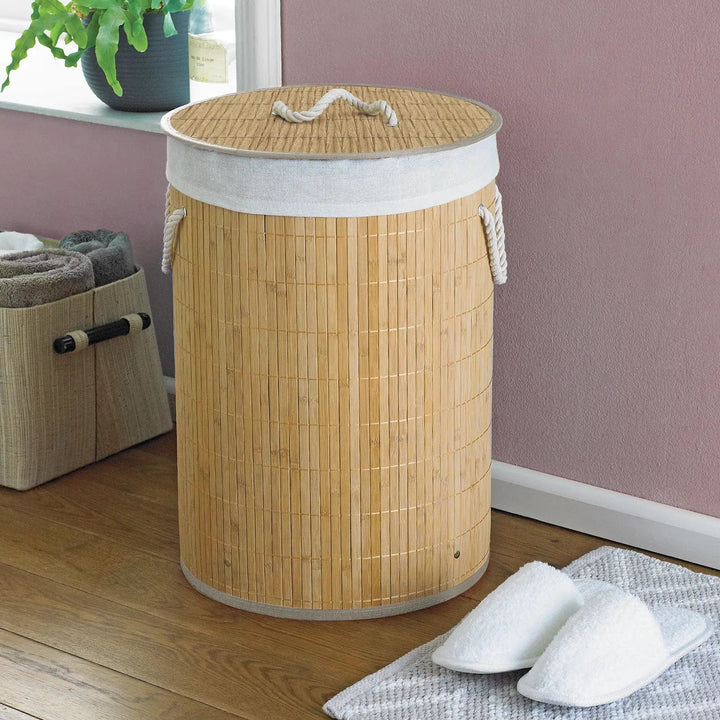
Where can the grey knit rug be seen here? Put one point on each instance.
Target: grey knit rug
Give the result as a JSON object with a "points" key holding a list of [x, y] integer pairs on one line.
{"points": [[414, 688]]}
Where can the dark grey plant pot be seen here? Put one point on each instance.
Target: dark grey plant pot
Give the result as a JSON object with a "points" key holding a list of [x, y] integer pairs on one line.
{"points": [[154, 80]]}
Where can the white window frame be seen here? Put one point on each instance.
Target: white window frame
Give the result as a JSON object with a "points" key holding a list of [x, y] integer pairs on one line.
{"points": [[258, 44]]}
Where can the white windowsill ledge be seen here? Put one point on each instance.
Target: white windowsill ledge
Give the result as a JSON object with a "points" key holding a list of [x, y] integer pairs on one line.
{"points": [[44, 86]]}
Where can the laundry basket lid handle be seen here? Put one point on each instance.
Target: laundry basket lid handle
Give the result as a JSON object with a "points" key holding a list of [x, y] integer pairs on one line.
{"points": [[378, 107]]}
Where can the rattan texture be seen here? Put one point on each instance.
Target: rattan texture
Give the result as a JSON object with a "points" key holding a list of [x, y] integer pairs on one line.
{"points": [[244, 122], [61, 412], [42, 394]]}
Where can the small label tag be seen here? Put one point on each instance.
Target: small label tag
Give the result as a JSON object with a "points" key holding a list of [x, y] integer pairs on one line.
{"points": [[208, 60]]}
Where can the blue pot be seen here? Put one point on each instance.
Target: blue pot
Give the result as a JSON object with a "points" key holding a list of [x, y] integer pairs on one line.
{"points": [[154, 80]]}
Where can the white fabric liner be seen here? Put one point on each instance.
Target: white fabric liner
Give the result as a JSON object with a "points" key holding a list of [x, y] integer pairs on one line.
{"points": [[294, 187]]}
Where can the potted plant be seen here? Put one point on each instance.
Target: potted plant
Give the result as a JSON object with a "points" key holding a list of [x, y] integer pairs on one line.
{"points": [[140, 57]]}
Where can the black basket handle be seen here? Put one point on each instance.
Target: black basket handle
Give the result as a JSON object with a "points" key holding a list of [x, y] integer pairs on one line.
{"points": [[80, 339]]}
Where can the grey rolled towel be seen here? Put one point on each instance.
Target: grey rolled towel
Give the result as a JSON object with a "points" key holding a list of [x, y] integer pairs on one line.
{"points": [[109, 252], [36, 277]]}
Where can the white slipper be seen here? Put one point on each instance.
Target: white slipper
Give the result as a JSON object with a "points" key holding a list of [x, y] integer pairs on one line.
{"points": [[514, 624], [614, 645]]}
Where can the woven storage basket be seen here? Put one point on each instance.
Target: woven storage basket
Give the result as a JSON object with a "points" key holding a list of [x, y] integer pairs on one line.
{"points": [[333, 338], [60, 412]]}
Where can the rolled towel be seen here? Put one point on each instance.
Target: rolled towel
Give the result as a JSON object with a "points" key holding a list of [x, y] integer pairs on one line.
{"points": [[34, 278], [109, 252], [11, 242]]}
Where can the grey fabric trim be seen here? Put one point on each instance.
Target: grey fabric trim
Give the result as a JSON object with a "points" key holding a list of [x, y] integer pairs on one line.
{"points": [[366, 613]]}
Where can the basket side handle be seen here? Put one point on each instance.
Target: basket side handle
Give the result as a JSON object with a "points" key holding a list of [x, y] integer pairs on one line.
{"points": [[172, 220], [494, 227]]}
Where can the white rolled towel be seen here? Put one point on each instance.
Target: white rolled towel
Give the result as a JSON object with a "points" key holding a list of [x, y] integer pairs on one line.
{"points": [[11, 241]]}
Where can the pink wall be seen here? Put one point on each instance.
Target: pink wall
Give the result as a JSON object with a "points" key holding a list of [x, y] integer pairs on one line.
{"points": [[63, 175], [607, 360]]}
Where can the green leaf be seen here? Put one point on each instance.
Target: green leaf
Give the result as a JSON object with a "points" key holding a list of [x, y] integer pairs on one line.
{"points": [[87, 7], [19, 53], [54, 23], [92, 30], [76, 31], [54, 49], [172, 6], [134, 28], [73, 58], [67, 8], [57, 30], [106, 45], [35, 32], [169, 26], [45, 22], [55, 6]]}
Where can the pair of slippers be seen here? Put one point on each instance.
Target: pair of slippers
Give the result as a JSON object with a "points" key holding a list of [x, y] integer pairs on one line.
{"points": [[586, 641]]}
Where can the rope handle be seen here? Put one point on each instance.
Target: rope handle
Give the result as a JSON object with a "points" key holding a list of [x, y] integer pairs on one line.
{"points": [[495, 239], [172, 220], [378, 107]]}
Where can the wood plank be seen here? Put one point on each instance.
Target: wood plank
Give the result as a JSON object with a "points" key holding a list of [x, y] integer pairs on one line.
{"points": [[56, 686], [142, 472], [228, 668], [9, 713], [142, 583], [128, 604], [103, 510]]}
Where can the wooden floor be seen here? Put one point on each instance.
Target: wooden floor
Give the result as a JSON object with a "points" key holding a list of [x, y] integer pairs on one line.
{"points": [[98, 623]]}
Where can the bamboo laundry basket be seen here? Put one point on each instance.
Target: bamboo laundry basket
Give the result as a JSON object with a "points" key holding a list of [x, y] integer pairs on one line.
{"points": [[333, 298], [59, 412]]}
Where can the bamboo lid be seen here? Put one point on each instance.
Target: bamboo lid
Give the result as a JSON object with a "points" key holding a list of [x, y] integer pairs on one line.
{"points": [[243, 124]]}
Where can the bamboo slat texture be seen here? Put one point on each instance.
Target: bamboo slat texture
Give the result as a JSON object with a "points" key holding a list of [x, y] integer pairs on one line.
{"points": [[333, 398], [333, 373], [243, 123]]}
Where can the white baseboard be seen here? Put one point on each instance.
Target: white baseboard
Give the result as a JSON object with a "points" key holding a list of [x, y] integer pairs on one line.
{"points": [[607, 514]]}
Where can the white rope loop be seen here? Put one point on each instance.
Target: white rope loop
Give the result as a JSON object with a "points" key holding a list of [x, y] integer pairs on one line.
{"points": [[495, 239], [172, 220], [379, 107]]}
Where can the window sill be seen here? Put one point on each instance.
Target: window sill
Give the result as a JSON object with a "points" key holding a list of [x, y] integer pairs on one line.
{"points": [[44, 86]]}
